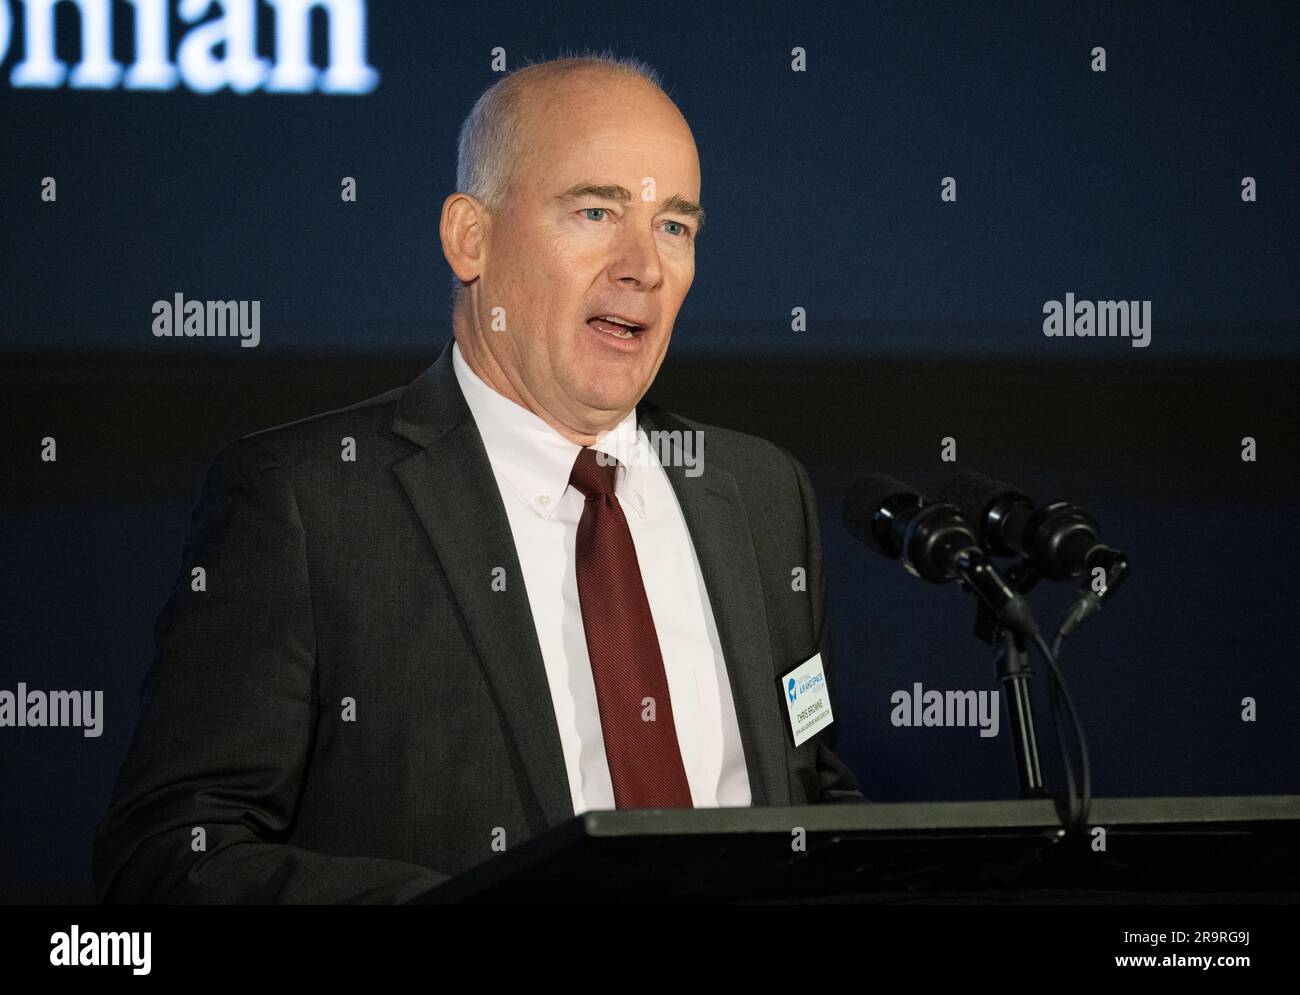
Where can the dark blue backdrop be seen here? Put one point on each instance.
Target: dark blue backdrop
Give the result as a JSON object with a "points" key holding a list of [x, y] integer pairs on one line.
{"points": [[822, 187]]}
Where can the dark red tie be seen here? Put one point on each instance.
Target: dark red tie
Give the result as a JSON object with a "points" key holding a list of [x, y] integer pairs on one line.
{"points": [[645, 762]]}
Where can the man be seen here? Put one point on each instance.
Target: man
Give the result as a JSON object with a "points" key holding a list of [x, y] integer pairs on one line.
{"points": [[433, 624]]}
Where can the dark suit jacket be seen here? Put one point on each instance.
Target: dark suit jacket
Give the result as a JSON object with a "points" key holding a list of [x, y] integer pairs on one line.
{"points": [[371, 580]]}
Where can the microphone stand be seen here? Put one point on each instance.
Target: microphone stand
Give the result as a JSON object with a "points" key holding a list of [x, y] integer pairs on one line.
{"points": [[1014, 670], [1014, 673]]}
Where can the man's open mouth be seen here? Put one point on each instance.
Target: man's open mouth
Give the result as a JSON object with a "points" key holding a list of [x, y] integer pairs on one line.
{"points": [[616, 325]]}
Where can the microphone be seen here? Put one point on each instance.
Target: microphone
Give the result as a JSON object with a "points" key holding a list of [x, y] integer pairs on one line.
{"points": [[934, 542], [1060, 540]]}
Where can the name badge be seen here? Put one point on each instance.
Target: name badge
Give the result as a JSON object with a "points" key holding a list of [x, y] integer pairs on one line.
{"points": [[807, 700]]}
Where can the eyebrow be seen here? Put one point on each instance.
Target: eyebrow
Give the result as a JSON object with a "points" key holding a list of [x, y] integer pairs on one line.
{"points": [[676, 204]]}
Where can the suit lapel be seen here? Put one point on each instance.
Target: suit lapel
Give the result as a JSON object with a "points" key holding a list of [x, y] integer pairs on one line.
{"points": [[470, 533], [719, 527], [450, 483]]}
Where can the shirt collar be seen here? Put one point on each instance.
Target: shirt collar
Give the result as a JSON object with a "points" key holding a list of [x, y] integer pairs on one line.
{"points": [[536, 460]]}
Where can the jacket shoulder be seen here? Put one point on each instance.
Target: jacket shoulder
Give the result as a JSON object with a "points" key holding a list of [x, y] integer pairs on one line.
{"points": [[742, 454], [322, 435]]}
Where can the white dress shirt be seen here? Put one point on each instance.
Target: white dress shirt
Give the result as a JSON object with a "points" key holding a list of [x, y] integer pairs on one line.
{"points": [[532, 463]]}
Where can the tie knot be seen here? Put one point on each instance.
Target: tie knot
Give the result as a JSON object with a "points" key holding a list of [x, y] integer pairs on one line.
{"points": [[590, 477]]}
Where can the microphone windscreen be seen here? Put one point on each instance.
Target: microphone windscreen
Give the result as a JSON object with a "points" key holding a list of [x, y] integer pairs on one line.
{"points": [[864, 499], [972, 493]]}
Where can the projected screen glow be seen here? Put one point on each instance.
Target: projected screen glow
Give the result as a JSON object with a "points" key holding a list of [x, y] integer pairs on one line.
{"points": [[895, 180]]}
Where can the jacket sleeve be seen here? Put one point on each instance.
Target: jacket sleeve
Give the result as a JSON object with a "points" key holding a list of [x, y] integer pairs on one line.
{"points": [[210, 784], [838, 783]]}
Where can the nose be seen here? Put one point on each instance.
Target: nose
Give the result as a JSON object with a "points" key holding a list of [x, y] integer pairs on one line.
{"points": [[636, 260]]}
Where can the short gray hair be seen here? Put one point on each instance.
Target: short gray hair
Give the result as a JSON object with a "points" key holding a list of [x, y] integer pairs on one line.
{"points": [[491, 135]]}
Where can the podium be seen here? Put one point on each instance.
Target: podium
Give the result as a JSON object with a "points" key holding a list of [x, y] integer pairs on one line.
{"points": [[1156, 851]]}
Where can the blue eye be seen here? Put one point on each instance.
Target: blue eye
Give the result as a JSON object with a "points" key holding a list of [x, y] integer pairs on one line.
{"points": [[589, 209], [685, 230]]}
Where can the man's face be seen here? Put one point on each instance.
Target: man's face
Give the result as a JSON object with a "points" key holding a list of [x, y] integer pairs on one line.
{"points": [[559, 254]]}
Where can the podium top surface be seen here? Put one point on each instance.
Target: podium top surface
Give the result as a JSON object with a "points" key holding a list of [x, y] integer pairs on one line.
{"points": [[902, 816], [1161, 844]]}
